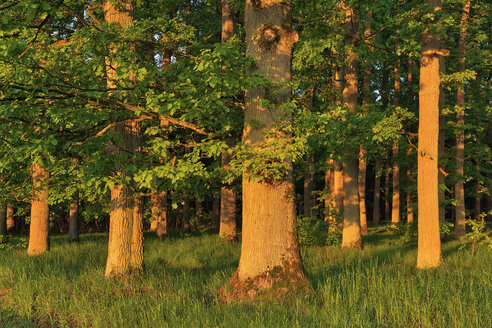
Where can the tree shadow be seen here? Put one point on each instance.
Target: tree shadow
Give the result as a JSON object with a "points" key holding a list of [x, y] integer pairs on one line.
{"points": [[9, 319]]}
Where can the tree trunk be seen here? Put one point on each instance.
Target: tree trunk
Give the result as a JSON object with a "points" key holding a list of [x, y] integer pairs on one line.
{"points": [[137, 256], [308, 188], [228, 226], [10, 217], [159, 214], [269, 250], [38, 230], [73, 220], [123, 239], [351, 237], [216, 212], [186, 216], [410, 216], [387, 212], [330, 195], [395, 202], [478, 201], [429, 253], [442, 136], [459, 188], [3, 223], [366, 99], [376, 211]]}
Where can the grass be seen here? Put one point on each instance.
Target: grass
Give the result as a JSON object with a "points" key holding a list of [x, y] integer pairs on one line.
{"points": [[377, 287]]}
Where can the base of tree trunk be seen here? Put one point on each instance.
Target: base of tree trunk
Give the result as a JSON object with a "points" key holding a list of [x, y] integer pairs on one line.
{"points": [[276, 285]]}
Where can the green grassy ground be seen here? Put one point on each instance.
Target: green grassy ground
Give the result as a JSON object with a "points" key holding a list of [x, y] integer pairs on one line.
{"points": [[377, 287]]}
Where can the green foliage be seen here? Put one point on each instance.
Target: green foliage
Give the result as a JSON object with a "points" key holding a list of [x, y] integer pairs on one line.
{"points": [[478, 235], [311, 231]]}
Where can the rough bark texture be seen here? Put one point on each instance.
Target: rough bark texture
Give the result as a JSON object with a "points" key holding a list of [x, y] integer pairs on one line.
{"points": [[159, 214], [270, 251], [376, 211], [10, 218], [73, 221], [137, 256], [123, 238], [308, 188], [38, 229], [338, 170], [351, 237], [459, 188], [429, 253]]}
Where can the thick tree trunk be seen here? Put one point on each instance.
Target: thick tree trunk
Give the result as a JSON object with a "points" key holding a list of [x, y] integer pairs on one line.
{"points": [[38, 230], [10, 217], [308, 188], [376, 210], [73, 220], [137, 255], [159, 214], [269, 250], [123, 239], [351, 237], [429, 253]]}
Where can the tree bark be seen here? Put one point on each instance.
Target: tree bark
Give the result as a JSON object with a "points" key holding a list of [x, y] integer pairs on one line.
{"points": [[3, 223], [10, 217], [376, 211], [123, 239], [215, 225], [330, 195], [351, 237], [459, 188], [395, 202], [38, 230], [137, 255], [308, 188], [410, 216], [269, 250], [387, 212], [442, 137], [429, 253], [73, 220], [159, 214]]}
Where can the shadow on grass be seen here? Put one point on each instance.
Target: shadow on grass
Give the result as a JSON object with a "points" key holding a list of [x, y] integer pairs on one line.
{"points": [[9, 319]]}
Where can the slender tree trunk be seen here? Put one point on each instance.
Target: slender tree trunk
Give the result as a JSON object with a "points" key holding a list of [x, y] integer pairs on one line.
{"points": [[459, 188], [308, 188], [366, 99], [122, 236], [73, 221], [395, 202], [228, 226], [38, 230], [159, 214], [186, 216], [216, 212], [329, 194], [442, 136], [338, 171], [387, 212], [429, 253], [269, 250], [351, 237], [410, 216], [3, 223], [10, 217], [376, 211], [478, 202]]}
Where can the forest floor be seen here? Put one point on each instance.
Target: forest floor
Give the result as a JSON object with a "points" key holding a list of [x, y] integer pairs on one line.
{"points": [[376, 287]]}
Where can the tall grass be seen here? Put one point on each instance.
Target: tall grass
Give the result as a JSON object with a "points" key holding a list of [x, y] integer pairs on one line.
{"points": [[377, 287]]}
